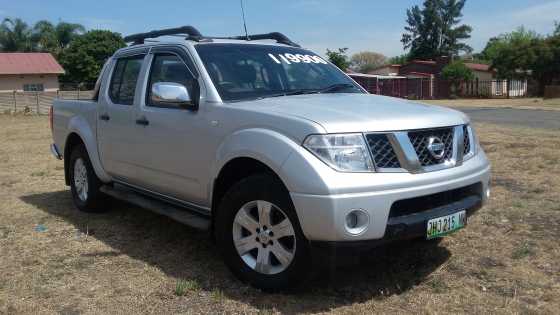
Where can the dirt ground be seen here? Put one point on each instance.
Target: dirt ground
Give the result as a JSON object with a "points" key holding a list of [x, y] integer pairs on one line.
{"points": [[519, 103], [54, 259]]}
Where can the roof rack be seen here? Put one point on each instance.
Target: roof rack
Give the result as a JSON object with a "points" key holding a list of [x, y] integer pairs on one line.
{"points": [[192, 33]]}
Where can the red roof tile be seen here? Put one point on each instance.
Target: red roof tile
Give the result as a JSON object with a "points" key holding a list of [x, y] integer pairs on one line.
{"points": [[29, 63], [477, 66]]}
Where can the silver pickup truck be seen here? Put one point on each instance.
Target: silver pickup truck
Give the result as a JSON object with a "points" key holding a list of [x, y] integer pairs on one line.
{"points": [[270, 147]]}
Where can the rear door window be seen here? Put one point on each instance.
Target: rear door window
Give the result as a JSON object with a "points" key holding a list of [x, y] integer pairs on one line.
{"points": [[124, 79]]}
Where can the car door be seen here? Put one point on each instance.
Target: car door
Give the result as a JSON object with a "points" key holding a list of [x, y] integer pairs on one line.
{"points": [[171, 151], [116, 127]]}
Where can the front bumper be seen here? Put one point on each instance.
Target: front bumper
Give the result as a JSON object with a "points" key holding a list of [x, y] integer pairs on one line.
{"points": [[323, 217]]}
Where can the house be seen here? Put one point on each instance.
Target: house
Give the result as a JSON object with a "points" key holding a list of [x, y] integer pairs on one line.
{"points": [[385, 70], [422, 79], [29, 72]]}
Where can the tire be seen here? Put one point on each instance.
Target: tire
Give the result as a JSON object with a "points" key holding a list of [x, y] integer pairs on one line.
{"points": [[84, 183], [265, 260]]}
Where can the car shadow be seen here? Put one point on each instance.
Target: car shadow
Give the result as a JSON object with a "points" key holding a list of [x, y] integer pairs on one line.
{"points": [[184, 253]]}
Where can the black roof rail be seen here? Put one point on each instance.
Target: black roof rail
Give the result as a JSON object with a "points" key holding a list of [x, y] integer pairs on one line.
{"points": [[193, 34], [278, 37], [190, 31]]}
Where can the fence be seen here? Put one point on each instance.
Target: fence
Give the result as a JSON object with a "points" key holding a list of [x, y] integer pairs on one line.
{"points": [[426, 88], [37, 102]]}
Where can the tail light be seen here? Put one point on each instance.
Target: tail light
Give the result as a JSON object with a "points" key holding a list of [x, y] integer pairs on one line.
{"points": [[51, 117]]}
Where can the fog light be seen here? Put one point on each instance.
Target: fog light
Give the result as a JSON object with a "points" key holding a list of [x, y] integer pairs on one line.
{"points": [[357, 221], [488, 193]]}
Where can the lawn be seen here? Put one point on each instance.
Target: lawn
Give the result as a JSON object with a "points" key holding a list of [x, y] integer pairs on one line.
{"points": [[519, 103], [54, 259]]}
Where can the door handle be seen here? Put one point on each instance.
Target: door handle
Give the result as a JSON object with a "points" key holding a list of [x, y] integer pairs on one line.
{"points": [[142, 121], [104, 117]]}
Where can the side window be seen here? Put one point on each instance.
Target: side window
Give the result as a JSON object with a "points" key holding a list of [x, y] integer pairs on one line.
{"points": [[168, 68], [123, 81]]}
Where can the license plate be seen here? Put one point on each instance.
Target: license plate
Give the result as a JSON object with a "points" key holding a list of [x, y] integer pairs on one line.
{"points": [[441, 226]]}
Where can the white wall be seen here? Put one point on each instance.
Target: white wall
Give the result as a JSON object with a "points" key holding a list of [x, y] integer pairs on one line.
{"points": [[10, 82]]}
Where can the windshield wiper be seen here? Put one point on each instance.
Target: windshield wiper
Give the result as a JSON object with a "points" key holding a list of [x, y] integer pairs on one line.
{"points": [[328, 89], [336, 87]]}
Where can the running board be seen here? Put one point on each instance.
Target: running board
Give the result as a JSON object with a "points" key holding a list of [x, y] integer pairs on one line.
{"points": [[179, 214]]}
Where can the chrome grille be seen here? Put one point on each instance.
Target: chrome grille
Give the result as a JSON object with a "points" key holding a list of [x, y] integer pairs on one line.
{"points": [[421, 138], [382, 151], [466, 140]]}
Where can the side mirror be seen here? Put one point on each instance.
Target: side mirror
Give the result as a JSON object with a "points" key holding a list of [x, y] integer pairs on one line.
{"points": [[175, 94]]}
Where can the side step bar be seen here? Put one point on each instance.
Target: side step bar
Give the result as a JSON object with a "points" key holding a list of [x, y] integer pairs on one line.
{"points": [[176, 213]]}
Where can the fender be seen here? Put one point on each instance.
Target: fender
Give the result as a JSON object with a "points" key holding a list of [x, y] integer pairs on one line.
{"points": [[80, 126], [266, 146]]}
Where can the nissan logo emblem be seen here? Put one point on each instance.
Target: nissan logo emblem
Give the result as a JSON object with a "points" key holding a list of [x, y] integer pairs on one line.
{"points": [[436, 147]]}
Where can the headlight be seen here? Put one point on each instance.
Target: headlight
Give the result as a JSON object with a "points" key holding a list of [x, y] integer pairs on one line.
{"points": [[473, 139], [343, 152]]}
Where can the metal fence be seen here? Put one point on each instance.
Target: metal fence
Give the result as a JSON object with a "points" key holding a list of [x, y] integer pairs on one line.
{"points": [[426, 88]]}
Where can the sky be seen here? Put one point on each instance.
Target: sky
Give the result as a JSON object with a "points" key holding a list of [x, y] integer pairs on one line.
{"points": [[315, 24]]}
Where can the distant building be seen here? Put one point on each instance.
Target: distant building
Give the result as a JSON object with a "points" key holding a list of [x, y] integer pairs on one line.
{"points": [[386, 70], [423, 79], [29, 72]]}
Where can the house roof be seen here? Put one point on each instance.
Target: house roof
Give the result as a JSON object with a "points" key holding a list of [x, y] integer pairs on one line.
{"points": [[478, 66], [424, 62], [424, 74], [374, 76], [29, 63]]}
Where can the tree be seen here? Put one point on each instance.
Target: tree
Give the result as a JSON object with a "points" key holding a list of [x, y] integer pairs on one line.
{"points": [[457, 72], [513, 55], [339, 58], [15, 35], [556, 29], [434, 30], [399, 60], [367, 60], [84, 57], [55, 38]]}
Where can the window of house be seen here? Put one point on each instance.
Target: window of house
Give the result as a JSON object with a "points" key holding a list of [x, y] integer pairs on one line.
{"points": [[124, 79], [33, 87]]}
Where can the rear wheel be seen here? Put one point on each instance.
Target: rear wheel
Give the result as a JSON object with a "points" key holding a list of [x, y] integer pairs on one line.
{"points": [[84, 183], [259, 235]]}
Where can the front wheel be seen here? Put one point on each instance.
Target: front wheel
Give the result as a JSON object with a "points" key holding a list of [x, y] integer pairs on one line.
{"points": [[259, 235]]}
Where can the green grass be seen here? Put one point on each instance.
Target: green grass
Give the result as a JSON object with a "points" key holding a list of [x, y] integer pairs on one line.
{"points": [[184, 286], [522, 251]]}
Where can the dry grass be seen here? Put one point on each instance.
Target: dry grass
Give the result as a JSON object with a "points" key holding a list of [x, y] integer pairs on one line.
{"points": [[54, 259], [520, 103]]}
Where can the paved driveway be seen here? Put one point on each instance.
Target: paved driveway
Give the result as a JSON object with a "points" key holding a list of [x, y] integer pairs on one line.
{"points": [[532, 118]]}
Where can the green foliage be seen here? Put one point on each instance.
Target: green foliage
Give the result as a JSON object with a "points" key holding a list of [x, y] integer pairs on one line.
{"points": [[339, 58], [15, 35], [55, 38], [433, 30], [84, 57], [366, 61], [457, 71], [399, 60], [514, 55], [556, 29]]}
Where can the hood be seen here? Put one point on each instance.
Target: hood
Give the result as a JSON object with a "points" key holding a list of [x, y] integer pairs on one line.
{"points": [[344, 112]]}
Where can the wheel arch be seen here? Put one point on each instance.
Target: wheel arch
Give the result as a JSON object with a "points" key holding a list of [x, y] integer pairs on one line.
{"points": [[237, 169]]}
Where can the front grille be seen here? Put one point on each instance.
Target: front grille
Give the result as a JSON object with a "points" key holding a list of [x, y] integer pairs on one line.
{"points": [[424, 203], [466, 140], [421, 138], [382, 151]]}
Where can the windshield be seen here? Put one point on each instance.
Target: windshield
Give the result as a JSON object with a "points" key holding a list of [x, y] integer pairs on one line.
{"points": [[241, 71]]}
